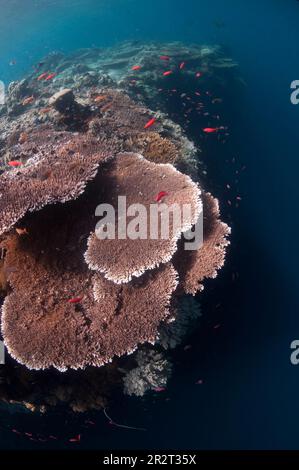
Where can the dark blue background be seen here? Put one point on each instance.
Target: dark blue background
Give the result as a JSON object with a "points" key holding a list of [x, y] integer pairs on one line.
{"points": [[249, 398]]}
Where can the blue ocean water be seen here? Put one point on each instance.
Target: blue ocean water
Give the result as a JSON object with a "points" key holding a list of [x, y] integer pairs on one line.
{"points": [[248, 399]]}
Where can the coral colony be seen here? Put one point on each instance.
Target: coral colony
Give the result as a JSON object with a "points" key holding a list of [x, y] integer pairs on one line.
{"points": [[105, 307]]}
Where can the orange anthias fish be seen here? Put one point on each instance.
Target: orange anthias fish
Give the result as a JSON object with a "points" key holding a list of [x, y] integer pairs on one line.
{"points": [[210, 130], [50, 76], [160, 196], [43, 76], [164, 57], [15, 163], [75, 300], [45, 110], [150, 123], [182, 65], [168, 72], [28, 100], [100, 98], [136, 67]]}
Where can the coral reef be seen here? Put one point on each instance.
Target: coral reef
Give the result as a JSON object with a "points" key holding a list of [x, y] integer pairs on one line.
{"points": [[197, 265], [186, 312], [140, 181], [72, 301], [151, 372]]}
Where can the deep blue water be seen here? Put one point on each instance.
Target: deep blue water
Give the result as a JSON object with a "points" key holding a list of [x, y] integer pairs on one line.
{"points": [[249, 398]]}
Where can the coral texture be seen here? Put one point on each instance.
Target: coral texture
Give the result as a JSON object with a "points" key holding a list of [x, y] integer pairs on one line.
{"points": [[152, 372], [140, 181], [196, 265]]}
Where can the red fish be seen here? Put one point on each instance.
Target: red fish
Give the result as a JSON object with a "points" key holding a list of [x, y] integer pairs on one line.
{"points": [[198, 74], [75, 300], [168, 72], [160, 196], [42, 76], [76, 438], [28, 100], [159, 389], [50, 76], [182, 65], [136, 67], [150, 123], [210, 130], [15, 163], [164, 57]]}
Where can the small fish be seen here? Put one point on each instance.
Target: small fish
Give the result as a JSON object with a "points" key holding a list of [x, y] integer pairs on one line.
{"points": [[168, 72], [75, 300], [150, 123], [50, 76], [100, 98], [106, 107], [76, 438], [15, 163], [164, 57], [198, 74], [182, 65], [159, 389], [12, 62], [199, 382], [29, 434], [42, 76], [136, 67], [28, 100], [45, 110], [16, 431], [210, 130], [160, 196]]}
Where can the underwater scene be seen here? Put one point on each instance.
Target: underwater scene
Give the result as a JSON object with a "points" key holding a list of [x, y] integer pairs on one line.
{"points": [[148, 248]]}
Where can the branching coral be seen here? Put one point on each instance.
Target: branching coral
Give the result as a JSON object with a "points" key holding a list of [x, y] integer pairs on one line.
{"points": [[152, 371]]}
